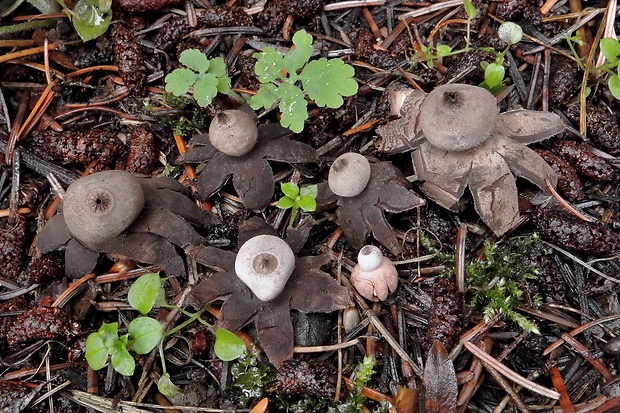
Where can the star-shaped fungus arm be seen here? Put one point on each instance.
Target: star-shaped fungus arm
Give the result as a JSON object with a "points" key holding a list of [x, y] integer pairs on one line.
{"points": [[443, 174], [529, 126], [524, 162], [494, 191]]}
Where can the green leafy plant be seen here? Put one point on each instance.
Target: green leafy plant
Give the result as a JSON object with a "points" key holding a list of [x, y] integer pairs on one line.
{"points": [[323, 81], [304, 199], [494, 281], [355, 400], [510, 33], [611, 49], [206, 77], [145, 333], [250, 378]]}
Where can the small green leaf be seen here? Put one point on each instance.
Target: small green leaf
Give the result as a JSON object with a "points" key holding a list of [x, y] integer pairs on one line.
{"points": [[285, 203], [614, 86], [266, 97], [309, 190], [469, 9], [195, 60], [227, 345], [88, 20], [269, 65], [307, 203], [296, 58], [293, 107], [144, 291], [46, 6], [167, 387], [443, 50], [290, 189], [510, 33], [123, 362], [217, 66], [116, 346], [146, 333], [205, 89], [179, 80], [96, 351], [610, 48], [108, 333], [223, 84], [327, 81], [494, 76]]}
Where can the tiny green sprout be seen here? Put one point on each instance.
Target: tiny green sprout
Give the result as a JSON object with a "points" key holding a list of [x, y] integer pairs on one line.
{"points": [[471, 12], [610, 47], [145, 333], [304, 199], [510, 33], [324, 81], [205, 76]]}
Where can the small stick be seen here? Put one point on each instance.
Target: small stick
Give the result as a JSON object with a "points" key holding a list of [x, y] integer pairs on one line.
{"points": [[26, 52], [579, 330], [585, 353], [485, 358], [353, 3], [558, 383], [372, 23]]}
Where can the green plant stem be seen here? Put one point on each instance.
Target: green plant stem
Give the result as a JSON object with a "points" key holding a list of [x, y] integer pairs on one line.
{"points": [[192, 317], [34, 24], [294, 211]]}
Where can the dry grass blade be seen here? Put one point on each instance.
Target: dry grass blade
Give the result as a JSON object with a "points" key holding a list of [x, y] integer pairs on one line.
{"points": [[530, 385], [558, 383]]}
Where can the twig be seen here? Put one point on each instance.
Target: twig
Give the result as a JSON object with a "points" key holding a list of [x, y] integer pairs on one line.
{"points": [[510, 374]]}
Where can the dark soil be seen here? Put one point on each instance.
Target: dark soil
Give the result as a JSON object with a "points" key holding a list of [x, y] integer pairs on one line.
{"points": [[70, 108]]}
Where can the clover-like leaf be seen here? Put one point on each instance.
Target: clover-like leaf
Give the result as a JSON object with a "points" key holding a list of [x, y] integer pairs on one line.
{"points": [[327, 81], [195, 60], [285, 202], [293, 107], [297, 57], [96, 351], [510, 33], [145, 333], [470, 9], [123, 362], [269, 65], [205, 89], [108, 333], [179, 80], [228, 346], [144, 292], [266, 97], [309, 190]]}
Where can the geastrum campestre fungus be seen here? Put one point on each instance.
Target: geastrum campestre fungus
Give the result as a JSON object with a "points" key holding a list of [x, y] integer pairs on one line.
{"points": [[265, 263], [308, 289], [251, 173], [122, 214], [364, 192], [374, 276], [460, 140]]}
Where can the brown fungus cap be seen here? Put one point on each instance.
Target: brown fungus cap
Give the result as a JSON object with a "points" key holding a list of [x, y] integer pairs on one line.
{"points": [[98, 207], [233, 132], [458, 117]]}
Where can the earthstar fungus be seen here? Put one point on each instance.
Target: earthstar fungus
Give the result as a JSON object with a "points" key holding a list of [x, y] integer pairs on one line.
{"points": [[460, 140], [387, 190], [308, 289], [374, 276], [122, 214], [251, 173]]}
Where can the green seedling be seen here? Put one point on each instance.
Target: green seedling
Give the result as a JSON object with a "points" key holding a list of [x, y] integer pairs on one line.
{"points": [[494, 281], [611, 49], [205, 77], [323, 81], [304, 199], [145, 333], [510, 33], [355, 400]]}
